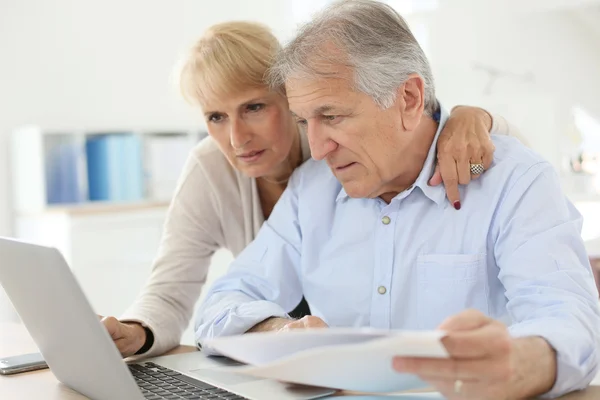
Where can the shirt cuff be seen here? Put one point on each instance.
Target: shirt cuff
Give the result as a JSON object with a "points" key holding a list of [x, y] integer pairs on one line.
{"points": [[148, 343], [576, 357], [237, 321]]}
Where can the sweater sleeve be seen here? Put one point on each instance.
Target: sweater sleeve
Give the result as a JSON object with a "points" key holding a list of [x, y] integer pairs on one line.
{"points": [[166, 303], [500, 126]]}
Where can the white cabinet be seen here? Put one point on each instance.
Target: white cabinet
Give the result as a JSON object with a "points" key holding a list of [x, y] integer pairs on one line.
{"points": [[110, 248]]}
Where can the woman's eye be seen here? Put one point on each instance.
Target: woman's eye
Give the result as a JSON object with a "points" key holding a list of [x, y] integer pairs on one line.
{"points": [[255, 107], [215, 118]]}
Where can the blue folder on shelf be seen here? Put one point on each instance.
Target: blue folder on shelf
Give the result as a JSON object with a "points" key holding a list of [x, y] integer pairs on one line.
{"points": [[62, 174], [132, 174], [114, 167]]}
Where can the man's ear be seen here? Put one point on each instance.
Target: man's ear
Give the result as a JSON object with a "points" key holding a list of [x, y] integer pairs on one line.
{"points": [[412, 101]]}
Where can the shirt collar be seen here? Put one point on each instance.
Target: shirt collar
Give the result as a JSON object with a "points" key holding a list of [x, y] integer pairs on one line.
{"points": [[341, 195], [435, 193]]}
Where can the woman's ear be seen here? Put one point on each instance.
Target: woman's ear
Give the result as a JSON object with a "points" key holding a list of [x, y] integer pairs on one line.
{"points": [[412, 101]]}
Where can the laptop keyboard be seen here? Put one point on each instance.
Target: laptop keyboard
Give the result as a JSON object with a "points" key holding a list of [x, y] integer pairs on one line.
{"points": [[157, 383]]}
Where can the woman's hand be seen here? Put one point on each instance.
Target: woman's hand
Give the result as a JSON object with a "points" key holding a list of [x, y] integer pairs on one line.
{"points": [[465, 139], [128, 337]]}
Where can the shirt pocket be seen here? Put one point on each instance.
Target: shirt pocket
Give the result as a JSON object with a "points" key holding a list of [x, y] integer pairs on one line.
{"points": [[449, 284]]}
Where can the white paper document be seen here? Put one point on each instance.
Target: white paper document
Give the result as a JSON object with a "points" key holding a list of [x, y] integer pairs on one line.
{"points": [[348, 359]]}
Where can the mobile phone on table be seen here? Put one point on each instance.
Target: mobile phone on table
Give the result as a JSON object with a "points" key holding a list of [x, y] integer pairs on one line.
{"points": [[22, 363]]}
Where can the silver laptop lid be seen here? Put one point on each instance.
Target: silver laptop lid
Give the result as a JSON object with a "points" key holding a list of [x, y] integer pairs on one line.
{"points": [[61, 321]]}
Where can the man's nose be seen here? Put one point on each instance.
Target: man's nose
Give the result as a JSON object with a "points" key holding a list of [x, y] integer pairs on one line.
{"points": [[320, 144]]}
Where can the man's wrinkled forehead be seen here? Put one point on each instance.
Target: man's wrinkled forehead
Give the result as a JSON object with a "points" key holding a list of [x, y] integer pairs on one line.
{"points": [[306, 94]]}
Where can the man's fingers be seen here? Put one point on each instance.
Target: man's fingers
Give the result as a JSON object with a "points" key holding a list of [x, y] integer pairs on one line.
{"points": [[490, 340], [436, 178], [450, 178], [470, 389], [313, 322], [466, 320], [306, 322], [292, 325], [446, 388]]}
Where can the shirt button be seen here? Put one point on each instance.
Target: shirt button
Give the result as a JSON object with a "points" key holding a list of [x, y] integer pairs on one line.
{"points": [[386, 220], [381, 290]]}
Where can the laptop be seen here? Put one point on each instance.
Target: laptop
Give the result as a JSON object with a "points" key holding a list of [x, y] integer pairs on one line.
{"points": [[81, 354]]}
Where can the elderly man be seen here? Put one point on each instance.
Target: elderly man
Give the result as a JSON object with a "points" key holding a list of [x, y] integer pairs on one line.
{"points": [[368, 242]]}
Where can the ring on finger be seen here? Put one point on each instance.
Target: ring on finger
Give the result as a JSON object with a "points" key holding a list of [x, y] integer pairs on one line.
{"points": [[476, 168]]}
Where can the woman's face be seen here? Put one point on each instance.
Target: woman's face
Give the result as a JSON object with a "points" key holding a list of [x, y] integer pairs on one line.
{"points": [[254, 129]]}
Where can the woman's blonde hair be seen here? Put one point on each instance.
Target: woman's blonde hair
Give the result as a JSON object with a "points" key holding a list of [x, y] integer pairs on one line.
{"points": [[229, 57]]}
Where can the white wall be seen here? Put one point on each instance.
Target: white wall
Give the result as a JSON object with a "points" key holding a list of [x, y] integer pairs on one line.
{"points": [[70, 63], [104, 64], [562, 58], [4, 185]]}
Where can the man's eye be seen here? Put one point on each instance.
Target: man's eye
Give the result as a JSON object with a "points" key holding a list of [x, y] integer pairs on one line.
{"points": [[333, 119], [255, 107], [301, 121]]}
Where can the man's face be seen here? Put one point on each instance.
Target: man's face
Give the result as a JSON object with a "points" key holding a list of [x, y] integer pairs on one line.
{"points": [[361, 142]]}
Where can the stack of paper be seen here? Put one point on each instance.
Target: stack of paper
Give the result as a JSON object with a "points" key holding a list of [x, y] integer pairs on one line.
{"points": [[347, 359]]}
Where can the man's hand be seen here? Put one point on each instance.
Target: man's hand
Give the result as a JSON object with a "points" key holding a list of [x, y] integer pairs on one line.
{"points": [[486, 361], [305, 322], [284, 324], [128, 336]]}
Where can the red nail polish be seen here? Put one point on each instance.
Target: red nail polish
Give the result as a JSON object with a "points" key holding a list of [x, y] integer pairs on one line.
{"points": [[457, 205]]}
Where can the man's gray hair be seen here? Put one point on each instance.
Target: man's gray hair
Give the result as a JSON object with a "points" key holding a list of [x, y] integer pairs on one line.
{"points": [[375, 41]]}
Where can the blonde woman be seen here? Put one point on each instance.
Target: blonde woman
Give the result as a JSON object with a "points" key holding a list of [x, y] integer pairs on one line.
{"points": [[233, 179]]}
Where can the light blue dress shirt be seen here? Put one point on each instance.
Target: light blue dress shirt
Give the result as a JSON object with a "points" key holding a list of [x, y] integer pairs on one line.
{"points": [[513, 251]]}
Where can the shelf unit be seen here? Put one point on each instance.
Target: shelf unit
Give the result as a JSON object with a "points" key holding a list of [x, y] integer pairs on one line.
{"points": [[109, 245], [33, 150]]}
